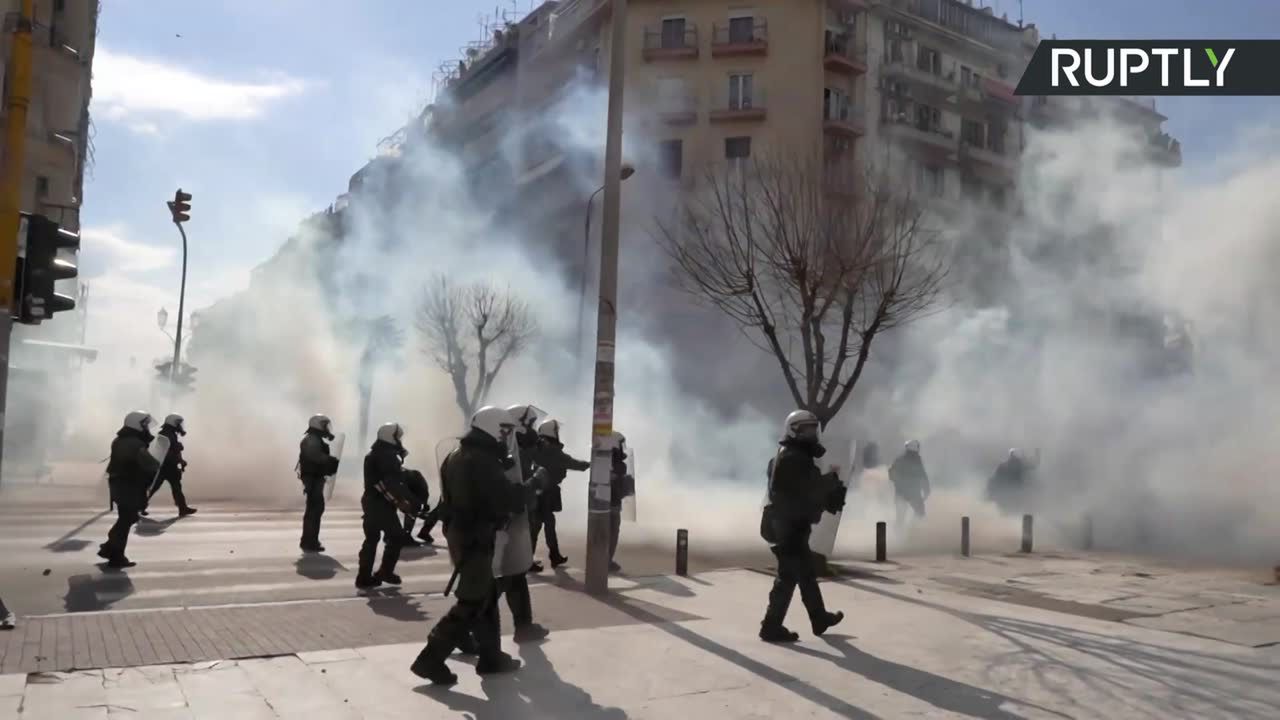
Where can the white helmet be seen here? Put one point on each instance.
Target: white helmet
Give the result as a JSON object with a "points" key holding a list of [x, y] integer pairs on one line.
{"points": [[912, 446], [494, 422], [1014, 454], [524, 415], [175, 421], [550, 429], [802, 425], [619, 440], [139, 420], [319, 422], [391, 433]]}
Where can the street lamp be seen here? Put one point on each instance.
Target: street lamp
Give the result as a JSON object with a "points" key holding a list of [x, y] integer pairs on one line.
{"points": [[627, 171], [162, 318]]}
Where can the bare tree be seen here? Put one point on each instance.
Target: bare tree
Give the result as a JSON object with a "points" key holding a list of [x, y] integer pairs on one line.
{"points": [[476, 326], [812, 268]]}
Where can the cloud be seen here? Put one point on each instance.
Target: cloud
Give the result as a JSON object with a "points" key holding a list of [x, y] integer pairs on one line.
{"points": [[125, 86], [108, 248]]}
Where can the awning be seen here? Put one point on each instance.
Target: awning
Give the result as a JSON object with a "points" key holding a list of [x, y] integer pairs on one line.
{"points": [[83, 351]]}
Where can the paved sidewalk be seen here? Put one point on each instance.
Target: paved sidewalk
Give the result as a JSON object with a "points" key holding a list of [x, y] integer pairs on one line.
{"points": [[686, 647]]}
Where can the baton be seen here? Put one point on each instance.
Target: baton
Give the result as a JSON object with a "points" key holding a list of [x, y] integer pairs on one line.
{"points": [[452, 579]]}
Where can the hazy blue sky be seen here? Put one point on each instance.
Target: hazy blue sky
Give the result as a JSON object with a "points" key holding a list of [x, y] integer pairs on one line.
{"points": [[263, 109]]}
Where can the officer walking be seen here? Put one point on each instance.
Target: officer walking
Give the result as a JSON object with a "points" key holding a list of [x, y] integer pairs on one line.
{"points": [[385, 494], [422, 494], [476, 500], [910, 481], [621, 486], [314, 465], [553, 464], [516, 559], [798, 494], [174, 465], [130, 473]]}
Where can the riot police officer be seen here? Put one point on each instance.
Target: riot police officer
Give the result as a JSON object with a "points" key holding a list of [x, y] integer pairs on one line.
{"points": [[553, 464], [386, 492], [798, 494], [315, 464], [130, 473], [174, 465], [476, 500], [910, 481]]}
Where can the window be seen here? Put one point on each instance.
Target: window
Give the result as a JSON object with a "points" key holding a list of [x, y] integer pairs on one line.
{"points": [[929, 179], [673, 32], [671, 157], [42, 187], [998, 195], [737, 148], [965, 75], [893, 51], [995, 136], [928, 119], [835, 104], [973, 133], [928, 60], [742, 30], [740, 92]]}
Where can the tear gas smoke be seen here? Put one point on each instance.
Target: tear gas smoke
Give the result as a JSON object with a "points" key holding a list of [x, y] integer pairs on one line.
{"points": [[1177, 465]]}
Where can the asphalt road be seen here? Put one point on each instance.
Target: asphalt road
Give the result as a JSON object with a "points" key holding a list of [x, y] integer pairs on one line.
{"points": [[226, 555]]}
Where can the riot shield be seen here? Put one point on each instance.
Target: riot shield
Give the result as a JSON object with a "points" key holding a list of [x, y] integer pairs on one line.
{"points": [[629, 490], [335, 449], [513, 550], [822, 539], [159, 450]]}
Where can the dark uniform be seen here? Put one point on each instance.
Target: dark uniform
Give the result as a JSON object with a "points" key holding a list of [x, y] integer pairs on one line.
{"points": [[314, 464], [620, 487], [516, 587], [910, 483], [383, 466], [555, 464], [417, 485], [171, 471], [476, 501], [130, 473], [798, 495], [1008, 487]]}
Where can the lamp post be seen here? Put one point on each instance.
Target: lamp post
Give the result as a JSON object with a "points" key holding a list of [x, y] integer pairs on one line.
{"points": [[598, 500], [627, 171]]}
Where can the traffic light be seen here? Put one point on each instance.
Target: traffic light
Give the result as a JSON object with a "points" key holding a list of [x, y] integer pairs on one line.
{"points": [[39, 269], [180, 206]]}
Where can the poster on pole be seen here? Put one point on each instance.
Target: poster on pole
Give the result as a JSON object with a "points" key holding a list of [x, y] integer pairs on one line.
{"points": [[823, 538], [335, 449]]}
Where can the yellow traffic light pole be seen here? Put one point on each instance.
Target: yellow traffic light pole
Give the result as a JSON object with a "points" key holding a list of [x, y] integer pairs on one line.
{"points": [[16, 103]]}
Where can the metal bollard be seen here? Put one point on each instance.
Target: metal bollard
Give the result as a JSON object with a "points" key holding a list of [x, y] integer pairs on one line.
{"points": [[682, 553], [964, 536], [1026, 533], [881, 529]]}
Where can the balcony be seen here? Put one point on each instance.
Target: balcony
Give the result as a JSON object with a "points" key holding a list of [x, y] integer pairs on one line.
{"points": [[740, 38], [744, 108], [679, 110], [843, 54], [668, 45], [844, 119], [1003, 162], [570, 18], [933, 139], [910, 71], [1164, 150]]}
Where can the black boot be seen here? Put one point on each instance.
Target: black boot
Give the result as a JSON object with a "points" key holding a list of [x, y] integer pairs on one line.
{"points": [[530, 632], [536, 567], [389, 578], [826, 623], [367, 582], [120, 562], [558, 560], [468, 645], [777, 634], [498, 663], [425, 537], [183, 512], [432, 669]]}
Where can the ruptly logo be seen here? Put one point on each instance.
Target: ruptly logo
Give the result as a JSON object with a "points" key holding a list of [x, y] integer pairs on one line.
{"points": [[1153, 67]]}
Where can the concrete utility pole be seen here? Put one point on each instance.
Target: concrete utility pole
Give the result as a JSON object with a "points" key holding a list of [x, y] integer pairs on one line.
{"points": [[178, 208], [16, 103], [597, 580]]}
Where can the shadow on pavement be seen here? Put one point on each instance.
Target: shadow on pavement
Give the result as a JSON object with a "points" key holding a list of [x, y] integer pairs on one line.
{"points": [[420, 551], [940, 692], [318, 566], [1047, 650], [90, 593], [147, 527], [391, 604], [536, 689], [665, 585], [69, 542], [783, 680]]}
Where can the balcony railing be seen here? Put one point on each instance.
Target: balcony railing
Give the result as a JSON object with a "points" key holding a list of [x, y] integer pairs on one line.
{"points": [[749, 106], [739, 39], [998, 159], [844, 54], [679, 110], [906, 128], [843, 119], [910, 69], [660, 44]]}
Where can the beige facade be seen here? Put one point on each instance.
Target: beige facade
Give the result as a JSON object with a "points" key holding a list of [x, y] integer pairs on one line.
{"points": [[58, 118]]}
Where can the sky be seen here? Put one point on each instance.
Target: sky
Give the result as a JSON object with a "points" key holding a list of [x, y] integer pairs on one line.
{"points": [[262, 109]]}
